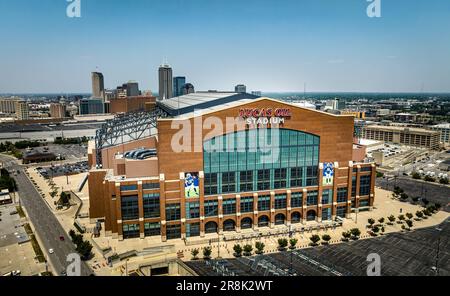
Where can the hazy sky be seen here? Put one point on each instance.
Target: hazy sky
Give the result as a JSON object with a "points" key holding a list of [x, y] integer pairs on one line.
{"points": [[331, 45]]}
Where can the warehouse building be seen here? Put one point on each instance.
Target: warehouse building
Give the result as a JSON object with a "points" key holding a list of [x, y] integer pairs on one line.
{"points": [[224, 163]]}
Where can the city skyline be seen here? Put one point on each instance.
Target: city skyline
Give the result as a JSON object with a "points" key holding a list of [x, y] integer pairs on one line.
{"points": [[330, 47]]}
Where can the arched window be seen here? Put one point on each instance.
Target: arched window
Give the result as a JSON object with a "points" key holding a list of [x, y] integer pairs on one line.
{"points": [[260, 159], [279, 219], [246, 223], [296, 217], [311, 215], [263, 221], [211, 227], [229, 225]]}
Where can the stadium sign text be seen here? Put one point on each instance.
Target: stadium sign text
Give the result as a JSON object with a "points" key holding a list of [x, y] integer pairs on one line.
{"points": [[265, 115]]}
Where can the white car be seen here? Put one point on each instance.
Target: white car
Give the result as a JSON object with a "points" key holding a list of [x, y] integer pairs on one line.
{"points": [[51, 251]]}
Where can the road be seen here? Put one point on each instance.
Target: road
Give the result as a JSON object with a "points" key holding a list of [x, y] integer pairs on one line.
{"points": [[45, 223], [433, 192]]}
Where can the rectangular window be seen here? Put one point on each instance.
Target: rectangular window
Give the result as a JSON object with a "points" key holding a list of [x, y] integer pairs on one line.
{"points": [[192, 210], [130, 207], [326, 214], [364, 186], [147, 186], [192, 229], [247, 205], [341, 211], [229, 206], [364, 203], [130, 231], [173, 231], [210, 184], [311, 199], [263, 180], [264, 203], [173, 212], [280, 201], [151, 205], [366, 169], [211, 208], [152, 229], [354, 186], [280, 178], [342, 195], [246, 181], [327, 196], [228, 182], [311, 176], [296, 177], [128, 187], [296, 199]]}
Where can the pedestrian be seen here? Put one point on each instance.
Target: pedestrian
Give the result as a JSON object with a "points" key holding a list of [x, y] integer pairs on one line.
{"points": [[401, 210]]}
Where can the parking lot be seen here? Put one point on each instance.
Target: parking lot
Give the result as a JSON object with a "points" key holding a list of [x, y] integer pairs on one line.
{"points": [[15, 248], [74, 152], [63, 169], [401, 254]]}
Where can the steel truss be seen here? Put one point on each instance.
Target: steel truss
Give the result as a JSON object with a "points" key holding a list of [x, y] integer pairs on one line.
{"points": [[124, 128]]}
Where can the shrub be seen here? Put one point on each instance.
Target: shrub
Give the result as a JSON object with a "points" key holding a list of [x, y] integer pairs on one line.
{"points": [[391, 218], [404, 196], [346, 235], [355, 233], [419, 214], [314, 239], [416, 175], [376, 229], [293, 242], [429, 179], [443, 181], [381, 220], [237, 250], [409, 223], [326, 238], [371, 221], [409, 215], [248, 250], [259, 247], [194, 254], [207, 253], [282, 243], [401, 218]]}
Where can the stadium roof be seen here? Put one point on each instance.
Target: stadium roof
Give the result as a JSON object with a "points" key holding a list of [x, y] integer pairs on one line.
{"points": [[200, 100]]}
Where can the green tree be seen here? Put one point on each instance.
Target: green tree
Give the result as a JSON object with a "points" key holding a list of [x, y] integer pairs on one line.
{"points": [[376, 229], [282, 243], [314, 239], [293, 242], [409, 223], [248, 249], [346, 235], [429, 179], [371, 221], [416, 175], [326, 238], [355, 233], [259, 247], [409, 215], [381, 220], [84, 248], [401, 218], [237, 250], [443, 181], [207, 253], [391, 219], [419, 214], [194, 254]]}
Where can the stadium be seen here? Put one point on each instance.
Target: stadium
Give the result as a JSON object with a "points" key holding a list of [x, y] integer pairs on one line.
{"points": [[214, 163]]}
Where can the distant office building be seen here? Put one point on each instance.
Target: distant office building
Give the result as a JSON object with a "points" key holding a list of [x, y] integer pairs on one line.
{"points": [[240, 88], [132, 88], [57, 110], [256, 93], [356, 114], [178, 83], [165, 82], [444, 129], [405, 117], [8, 106], [188, 88], [132, 104], [22, 110], [336, 104], [98, 85], [110, 94], [403, 135], [91, 106], [383, 112]]}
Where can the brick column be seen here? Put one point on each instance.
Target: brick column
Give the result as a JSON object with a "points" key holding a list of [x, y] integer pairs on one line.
{"points": [[288, 207], [272, 209], [372, 187], [141, 210], [238, 213], [119, 212], [162, 206], [182, 206], [201, 177], [305, 196], [220, 206], [255, 210]]}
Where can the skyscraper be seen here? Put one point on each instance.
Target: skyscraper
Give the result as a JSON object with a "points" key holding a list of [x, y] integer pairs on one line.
{"points": [[98, 85], [22, 110], [240, 88], [178, 83], [188, 88], [165, 82]]}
